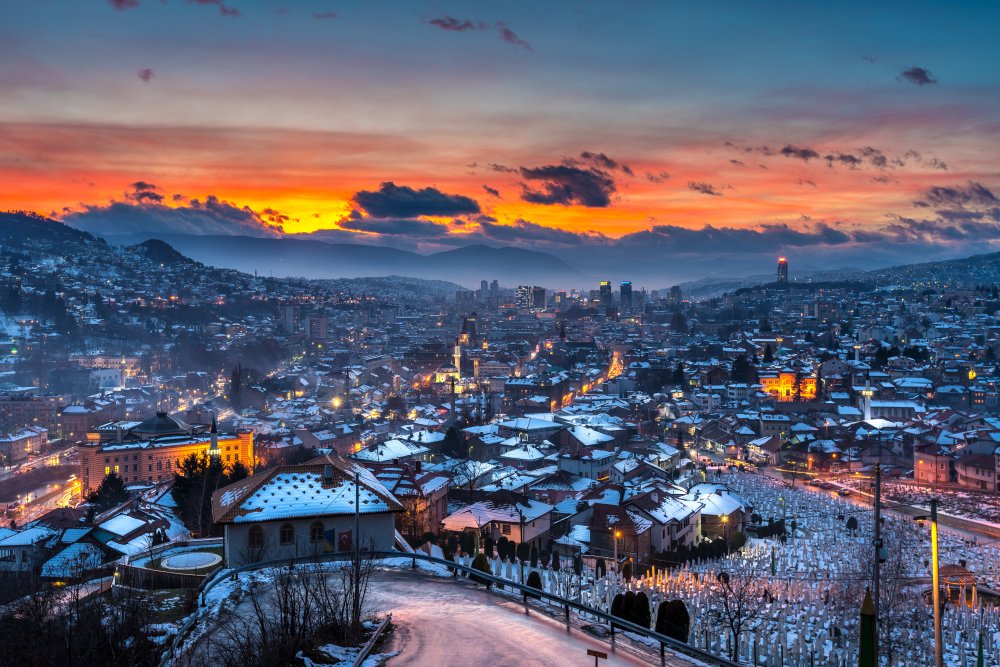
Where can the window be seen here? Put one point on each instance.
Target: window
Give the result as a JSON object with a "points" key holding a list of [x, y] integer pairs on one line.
{"points": [[287, 534], [316, 531], [505, 528], [255, 537], [107, 470]]}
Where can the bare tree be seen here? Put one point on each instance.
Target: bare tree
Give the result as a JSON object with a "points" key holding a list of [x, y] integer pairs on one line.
{"points": [[739, 602]]}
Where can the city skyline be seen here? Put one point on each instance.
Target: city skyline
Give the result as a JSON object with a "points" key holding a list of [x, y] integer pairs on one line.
{"points": [[845, 136]]}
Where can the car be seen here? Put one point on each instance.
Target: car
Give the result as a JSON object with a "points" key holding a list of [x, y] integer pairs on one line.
{"points": [[844, 492]]}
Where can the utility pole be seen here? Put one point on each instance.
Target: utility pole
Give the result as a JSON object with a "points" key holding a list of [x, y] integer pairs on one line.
{"points": [[877, 543], [936, 597]]}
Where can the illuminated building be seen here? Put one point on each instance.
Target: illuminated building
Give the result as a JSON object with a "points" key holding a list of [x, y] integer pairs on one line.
{"points": [[522, 296], [782, 270], [150, 451], [538, 297], [790, 386]]}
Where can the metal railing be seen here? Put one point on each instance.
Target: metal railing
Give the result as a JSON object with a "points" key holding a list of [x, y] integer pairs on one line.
{"points": [[614, 622]]}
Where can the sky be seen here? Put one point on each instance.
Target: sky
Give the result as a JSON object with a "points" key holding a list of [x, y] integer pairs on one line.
{"points": [[848, 133]]}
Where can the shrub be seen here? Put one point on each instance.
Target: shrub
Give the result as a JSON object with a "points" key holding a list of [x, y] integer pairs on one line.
{"points": [[544, 558], [555, 561], [626, 608], [523, 551], [533, 556], [673, 620], [488, 547], [616, 606], [641, 614], [480, 563], [534, 581], [577, 564], [627, 571], [502, 547], [601, 568]]}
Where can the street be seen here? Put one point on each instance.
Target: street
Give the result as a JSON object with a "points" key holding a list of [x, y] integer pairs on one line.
{"points": [[447, 622]]}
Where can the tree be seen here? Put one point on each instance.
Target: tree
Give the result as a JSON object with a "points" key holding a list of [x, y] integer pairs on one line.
{"points": [[617, 603], [678, 322], [678, 376], [768, 354], [738, 603], [626, 608], [110, 493], [533, 557], [452, 445], [673, 620], [555, 561]]}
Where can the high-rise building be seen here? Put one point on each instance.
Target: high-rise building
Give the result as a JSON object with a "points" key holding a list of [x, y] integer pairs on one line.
{"points": [[559, 300], [484, 291], [538, 297], [317, 327], [625, 296], [606, 294], [675, 297], [522, 296], [782, 270], [290, 318]]}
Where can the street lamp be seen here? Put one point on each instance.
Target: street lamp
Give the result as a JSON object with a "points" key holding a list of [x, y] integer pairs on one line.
{"points": [[617, 536], [725, 528], [935, 582]]}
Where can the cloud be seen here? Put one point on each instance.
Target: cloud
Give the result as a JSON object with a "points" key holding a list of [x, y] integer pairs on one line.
{"points": [[396, 226], [400, 201], [502, 168], [143, 192], [145, 74], [918, 76], [604, 162], [659, 177], [122, 5], [566, 185], [492, 191], [146, 215], [325, 15], [798, 153], [507, 35], [704, 188], [529, 233], [972, 194], [452, 24], [224, 9]]}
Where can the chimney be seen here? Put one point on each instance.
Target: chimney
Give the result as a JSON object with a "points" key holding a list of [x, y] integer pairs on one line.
{"points": [[419, 466], [655, 496], [328, 474]]}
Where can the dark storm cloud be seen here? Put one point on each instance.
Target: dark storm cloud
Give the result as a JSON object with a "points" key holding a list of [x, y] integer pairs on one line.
{"points": [[799, 153], [710, 239], [566, 185], [141, 191], [847, 159], [400, 201], [918, 76], [492, 191], [143, 215], [146, 74], [704, 188]]}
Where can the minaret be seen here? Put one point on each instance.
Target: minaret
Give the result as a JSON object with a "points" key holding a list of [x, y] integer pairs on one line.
{"points": [[213, 434], [868, 393]]}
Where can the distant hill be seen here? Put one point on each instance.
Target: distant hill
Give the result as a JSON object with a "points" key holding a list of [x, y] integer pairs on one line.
{"points": [[160, 252], [293, 257], [30, 232]]}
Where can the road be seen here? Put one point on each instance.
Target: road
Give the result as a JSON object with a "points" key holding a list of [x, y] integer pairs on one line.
{"points": [[446, 622]]}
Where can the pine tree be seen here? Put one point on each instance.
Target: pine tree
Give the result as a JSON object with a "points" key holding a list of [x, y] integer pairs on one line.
{"points": [[110, 493]]}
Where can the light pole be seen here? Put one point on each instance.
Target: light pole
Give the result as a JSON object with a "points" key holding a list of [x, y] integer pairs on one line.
{"points": [[520, 560], [935, 583], [617, 534], [725, 528]]}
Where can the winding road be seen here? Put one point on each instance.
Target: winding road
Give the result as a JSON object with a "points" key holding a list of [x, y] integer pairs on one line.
{"points": [[449, 622]]}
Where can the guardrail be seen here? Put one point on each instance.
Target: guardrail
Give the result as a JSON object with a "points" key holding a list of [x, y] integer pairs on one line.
{"points": [[613, 621]]}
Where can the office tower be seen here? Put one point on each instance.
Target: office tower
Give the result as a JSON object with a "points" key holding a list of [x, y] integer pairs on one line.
{"points": [[606, 294], [782, 270], [625, 296], [522, 296], [538, 297], [290, 318], [675, 297]]}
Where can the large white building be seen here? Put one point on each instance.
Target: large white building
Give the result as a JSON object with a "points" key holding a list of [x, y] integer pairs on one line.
{"points": [[305, 510]]}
